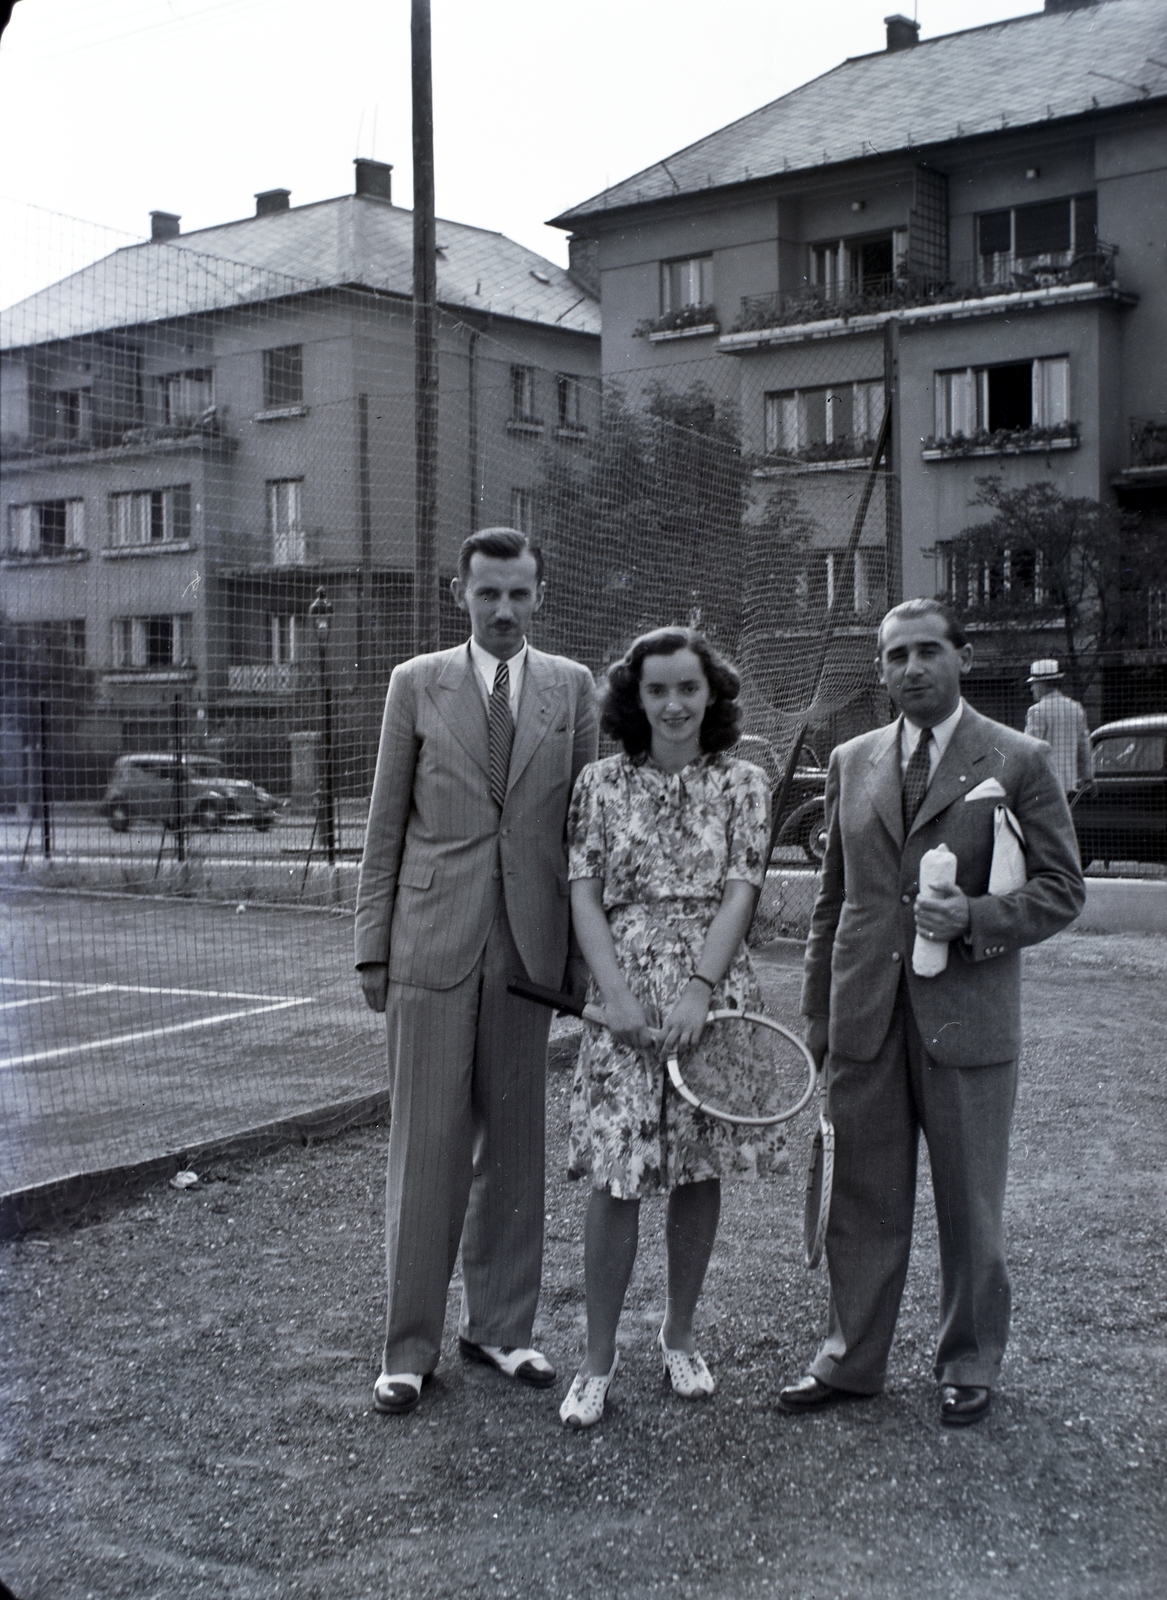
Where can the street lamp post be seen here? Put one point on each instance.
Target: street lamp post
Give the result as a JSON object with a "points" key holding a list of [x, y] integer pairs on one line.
{"points": [[321, 613]]}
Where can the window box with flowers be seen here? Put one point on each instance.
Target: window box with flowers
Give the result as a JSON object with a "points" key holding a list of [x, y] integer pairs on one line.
{"points": [[686, 322], [1036, 440]]}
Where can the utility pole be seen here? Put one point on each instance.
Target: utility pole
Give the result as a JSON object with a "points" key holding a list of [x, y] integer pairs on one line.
{"points": [[893, 461], [425, 340]]}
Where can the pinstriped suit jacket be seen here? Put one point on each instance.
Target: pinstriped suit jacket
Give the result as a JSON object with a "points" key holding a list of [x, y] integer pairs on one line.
{"points": [[437, 853]]}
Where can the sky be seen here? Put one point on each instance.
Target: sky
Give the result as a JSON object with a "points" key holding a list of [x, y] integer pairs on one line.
{"points": [[110, 109]]}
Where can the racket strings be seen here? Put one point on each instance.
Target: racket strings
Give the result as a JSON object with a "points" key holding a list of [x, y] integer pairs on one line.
{"points": [[746, 1067]]}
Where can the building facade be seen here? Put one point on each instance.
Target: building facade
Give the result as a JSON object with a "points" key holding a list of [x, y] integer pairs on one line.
{"points": [[972, 225], [202, 431]]}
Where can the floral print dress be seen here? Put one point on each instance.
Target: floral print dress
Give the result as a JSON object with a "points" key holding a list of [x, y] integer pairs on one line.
{"points": [[663, 845]]}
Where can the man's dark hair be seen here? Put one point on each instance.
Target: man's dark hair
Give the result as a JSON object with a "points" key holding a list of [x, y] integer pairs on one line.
{"points": [[501, 544], [908, 609], [622, 716]]}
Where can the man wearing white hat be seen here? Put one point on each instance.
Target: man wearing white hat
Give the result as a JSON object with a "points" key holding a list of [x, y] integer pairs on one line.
{"points": [[1061, 722]]}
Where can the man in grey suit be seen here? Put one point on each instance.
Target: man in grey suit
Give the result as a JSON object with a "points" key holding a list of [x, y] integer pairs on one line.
{"points": [[1061, 722], [906, 1052], [463, 886]]}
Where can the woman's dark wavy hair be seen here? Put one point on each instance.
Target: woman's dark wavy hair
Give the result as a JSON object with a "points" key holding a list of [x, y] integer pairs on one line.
{"points": [[622, 716]]}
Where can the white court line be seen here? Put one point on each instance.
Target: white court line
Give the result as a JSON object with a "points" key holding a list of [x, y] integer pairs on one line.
{"points": [[37, 1000], [146, 1033], [47, 999], [133, 988]]}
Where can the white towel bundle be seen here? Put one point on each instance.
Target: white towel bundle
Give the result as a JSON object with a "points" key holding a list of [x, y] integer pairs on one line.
{"points": [[937, 871]]}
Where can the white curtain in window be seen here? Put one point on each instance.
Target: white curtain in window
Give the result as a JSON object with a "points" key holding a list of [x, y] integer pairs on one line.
{"points": [[687, 283], [129, 518], [956, 407], [75, 524], [284, 638], [522, 510], [181, 636], [283, 512], [20, 530], [1051, 391]]}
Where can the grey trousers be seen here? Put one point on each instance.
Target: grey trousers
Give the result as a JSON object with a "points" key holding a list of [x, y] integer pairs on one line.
{"points": [[879, 1108], [467, 1075]]}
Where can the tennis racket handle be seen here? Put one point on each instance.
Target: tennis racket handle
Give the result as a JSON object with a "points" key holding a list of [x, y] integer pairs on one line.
{"points": [[556, 999]]}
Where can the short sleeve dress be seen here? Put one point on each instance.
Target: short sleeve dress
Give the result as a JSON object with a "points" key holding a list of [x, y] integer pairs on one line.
{"points": [[664, 845]]}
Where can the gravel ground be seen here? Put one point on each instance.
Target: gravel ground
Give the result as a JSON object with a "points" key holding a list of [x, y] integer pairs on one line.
{"points": [[187, 1382]]}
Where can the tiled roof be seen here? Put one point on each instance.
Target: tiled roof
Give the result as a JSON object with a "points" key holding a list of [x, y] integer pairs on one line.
{"points": [[351, 240], [1008, 74]]}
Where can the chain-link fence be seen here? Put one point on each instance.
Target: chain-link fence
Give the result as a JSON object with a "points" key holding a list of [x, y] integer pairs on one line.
{"points": [[208, 574]]}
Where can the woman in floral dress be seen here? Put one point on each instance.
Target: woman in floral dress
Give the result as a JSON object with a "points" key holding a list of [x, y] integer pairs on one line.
{"points": [[667, 852]]}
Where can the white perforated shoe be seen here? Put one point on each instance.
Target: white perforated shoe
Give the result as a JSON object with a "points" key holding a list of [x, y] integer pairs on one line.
{"points": [[583, 1405], [688, 1374]]}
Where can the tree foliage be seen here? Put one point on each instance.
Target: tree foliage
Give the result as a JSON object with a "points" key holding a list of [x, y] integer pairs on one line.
{"points": [[1044, 556], [644, 525]]}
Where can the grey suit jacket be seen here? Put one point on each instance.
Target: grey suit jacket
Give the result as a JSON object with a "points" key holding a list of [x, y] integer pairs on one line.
{"points": [[437, 855], [862, 926]]}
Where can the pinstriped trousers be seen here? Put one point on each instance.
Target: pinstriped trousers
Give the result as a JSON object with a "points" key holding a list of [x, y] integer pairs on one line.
{"points": [[467, 1077], [879, 1108]]}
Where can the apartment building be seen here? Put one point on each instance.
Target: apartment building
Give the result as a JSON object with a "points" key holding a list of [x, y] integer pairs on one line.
{"points": [[201, 431], [974, 224]]}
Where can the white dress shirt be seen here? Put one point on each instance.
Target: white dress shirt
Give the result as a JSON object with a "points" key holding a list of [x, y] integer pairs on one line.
{"points": [[941, 735], [487, 666]]}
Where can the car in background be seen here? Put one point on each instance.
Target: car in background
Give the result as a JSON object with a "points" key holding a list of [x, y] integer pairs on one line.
{"points": [[804, 815], [147, 788], [1122, 815]]}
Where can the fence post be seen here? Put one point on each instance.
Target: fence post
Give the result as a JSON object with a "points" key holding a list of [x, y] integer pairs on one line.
{"points": [[46, 808], [321, 613], [891, 403], [179, 743]]}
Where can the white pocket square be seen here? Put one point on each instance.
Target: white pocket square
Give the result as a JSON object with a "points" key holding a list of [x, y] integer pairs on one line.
{"points": [[989, 790]]}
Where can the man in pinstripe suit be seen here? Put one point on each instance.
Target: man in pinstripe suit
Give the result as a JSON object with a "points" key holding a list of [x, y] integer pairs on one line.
{"points": [[463, 886]]}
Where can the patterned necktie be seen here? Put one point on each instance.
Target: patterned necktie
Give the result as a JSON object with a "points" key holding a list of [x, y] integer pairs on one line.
{"points": [[916, 778], [502, 734]]}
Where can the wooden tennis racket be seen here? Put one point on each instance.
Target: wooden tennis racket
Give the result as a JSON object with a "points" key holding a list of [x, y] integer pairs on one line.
{"points": [[766, 1044], [820, 1173], [774, 1075]]}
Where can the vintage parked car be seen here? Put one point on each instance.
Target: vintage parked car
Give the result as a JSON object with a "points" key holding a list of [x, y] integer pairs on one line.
{"points": [[804, 815], [1122, 816], [145, 788]]}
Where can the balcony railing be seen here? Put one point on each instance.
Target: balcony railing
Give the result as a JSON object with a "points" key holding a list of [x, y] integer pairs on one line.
{"points": [[269, 677], [1148, 442], [983, 278], [112, 433], [287, 550]]}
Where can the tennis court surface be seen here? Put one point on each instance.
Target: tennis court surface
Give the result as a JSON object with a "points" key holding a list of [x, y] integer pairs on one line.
{"points": [[133, 1028]]}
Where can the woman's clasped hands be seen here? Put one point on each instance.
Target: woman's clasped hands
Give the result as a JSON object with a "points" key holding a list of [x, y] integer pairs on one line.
{"points": [[682, 1030]]}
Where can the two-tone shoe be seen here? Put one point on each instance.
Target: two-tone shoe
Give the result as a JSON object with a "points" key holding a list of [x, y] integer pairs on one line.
{"points": [[513, 1361]]}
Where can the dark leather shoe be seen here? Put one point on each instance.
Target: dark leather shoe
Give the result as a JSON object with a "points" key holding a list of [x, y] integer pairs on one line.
{"points": [[808, 1394], [962, 1404]]}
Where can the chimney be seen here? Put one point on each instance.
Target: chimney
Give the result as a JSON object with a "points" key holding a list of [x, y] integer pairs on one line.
{"points": [[583, 263], [271, 201], [164, 225], [902, 32], [374, 178]]}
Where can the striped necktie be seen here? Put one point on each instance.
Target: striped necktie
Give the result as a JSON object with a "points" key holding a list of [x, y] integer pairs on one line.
{"points": [[502, 734], [916, 778]]}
